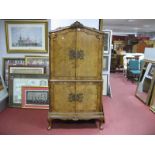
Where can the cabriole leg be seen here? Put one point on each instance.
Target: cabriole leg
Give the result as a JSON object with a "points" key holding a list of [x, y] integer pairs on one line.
{"points": [[49, 123], [101, 123]]}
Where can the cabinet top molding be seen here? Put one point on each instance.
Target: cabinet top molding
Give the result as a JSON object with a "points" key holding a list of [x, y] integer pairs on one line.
{"points": [[76, 25]]}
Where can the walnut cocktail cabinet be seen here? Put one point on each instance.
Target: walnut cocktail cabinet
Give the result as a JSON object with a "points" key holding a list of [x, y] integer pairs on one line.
{"points": [[75, 85]]}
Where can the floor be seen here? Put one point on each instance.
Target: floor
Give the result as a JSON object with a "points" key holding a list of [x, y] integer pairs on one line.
{"points": [[124, 114]]}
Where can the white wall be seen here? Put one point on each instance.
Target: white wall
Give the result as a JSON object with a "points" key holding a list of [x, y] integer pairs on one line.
{"points": [[149, 54], [3, 50]]}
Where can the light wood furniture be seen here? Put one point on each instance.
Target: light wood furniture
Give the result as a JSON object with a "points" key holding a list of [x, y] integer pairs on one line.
{"points": [[75, 85], [140, 47]]}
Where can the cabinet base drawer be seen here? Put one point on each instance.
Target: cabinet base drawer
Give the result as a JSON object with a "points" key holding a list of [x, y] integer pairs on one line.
{"points": [[75, 116]]}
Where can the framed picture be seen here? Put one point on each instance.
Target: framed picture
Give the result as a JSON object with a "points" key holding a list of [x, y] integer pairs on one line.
{"points": [[105, 84], [17, 81], [38, 60], [26, 36], [105, 63], [26, 69], [35, 97], [152, 70], [118, 44], [1, 83], [10, 61], [106, 42]]}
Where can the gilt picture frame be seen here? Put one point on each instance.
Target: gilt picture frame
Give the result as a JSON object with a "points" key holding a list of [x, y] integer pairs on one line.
{"points": [[38, 61], [26, 36], [24, 69], [17, 81], [35, 97], [10, 61]]}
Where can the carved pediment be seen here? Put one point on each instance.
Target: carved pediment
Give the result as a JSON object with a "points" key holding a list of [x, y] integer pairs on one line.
{"points": [[77, 25]]}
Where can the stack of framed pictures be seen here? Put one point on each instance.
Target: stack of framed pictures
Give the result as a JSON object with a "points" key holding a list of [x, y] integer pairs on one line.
{"points": [[30, 72], [34, 85], [29, 67], [107, 62], [39, 61], [8, 61]]}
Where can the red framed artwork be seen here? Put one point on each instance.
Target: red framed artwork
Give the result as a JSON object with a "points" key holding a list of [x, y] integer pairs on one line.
{"points": [[35, 97]]}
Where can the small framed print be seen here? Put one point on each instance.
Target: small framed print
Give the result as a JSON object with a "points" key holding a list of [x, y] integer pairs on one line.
{"points": [[10, 61], [107, 41], [17, 81], [105, 63], [38, 61], [24, 69], [26, 36], [152, 70], [35, 97]]}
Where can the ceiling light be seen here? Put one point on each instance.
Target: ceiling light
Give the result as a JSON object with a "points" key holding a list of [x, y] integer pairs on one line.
{"points": [[146, 25], [131, 20], [136, 28]]}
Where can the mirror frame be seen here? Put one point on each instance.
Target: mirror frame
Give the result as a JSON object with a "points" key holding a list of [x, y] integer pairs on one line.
{"points": [[147, 102]]}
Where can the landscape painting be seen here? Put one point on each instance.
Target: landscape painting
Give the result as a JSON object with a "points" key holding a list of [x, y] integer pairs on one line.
{"points": [[26, 36], [22, 36]]}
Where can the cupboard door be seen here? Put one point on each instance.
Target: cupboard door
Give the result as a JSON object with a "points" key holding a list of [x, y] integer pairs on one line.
{"points": [[89, 51], [62, 54], [62, 94], [88, 96]]}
